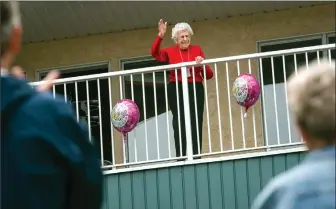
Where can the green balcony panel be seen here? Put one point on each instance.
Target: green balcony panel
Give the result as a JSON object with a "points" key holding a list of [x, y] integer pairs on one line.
{"points": [[231, 184]]}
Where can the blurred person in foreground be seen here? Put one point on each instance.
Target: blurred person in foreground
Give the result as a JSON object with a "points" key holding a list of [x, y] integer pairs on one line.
{"points": [[310, 185], [47, 161]]}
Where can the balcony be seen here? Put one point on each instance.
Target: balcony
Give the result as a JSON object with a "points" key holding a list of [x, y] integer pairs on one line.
{"points": [[231, 143], [225, 131]]}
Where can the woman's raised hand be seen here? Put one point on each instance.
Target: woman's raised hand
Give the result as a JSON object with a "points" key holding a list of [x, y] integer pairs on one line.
{"points": [[162, 26]]}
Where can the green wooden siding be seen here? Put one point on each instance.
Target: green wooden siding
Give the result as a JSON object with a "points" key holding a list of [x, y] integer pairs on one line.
{"points": [[218, 185]]}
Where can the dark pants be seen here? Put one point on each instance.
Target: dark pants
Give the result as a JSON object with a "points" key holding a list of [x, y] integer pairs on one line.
{"points": [[173, 103]]}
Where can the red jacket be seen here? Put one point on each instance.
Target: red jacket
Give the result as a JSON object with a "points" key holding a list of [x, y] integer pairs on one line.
{"points": [[175, 55]]}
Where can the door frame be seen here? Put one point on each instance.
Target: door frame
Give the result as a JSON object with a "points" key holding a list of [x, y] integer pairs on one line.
{"points": [[73, 68], [122, 63], [283, 40]]}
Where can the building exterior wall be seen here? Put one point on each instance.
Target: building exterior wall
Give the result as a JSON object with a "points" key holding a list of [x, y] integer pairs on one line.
{"points": [[232, 184], [218, 38]]}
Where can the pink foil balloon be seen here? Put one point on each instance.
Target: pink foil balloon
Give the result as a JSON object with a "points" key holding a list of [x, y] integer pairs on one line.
{"points": [[246, 90], [125, 116]]}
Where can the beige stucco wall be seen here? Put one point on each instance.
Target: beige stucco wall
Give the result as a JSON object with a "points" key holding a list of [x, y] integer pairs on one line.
{"points": [[218, 38]]}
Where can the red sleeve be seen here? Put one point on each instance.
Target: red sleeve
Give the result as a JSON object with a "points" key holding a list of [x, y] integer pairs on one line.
{"points": [[157, 53], [208, 71]]}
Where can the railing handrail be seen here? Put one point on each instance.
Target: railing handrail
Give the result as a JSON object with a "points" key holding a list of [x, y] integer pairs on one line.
{"points": [[188, 64]]}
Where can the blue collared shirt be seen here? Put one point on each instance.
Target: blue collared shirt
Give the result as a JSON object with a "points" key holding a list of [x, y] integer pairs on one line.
{"points": [[310, 185]]}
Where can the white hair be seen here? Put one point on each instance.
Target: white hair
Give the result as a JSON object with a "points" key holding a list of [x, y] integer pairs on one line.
{"points": [[182, 26], [311, 98]]}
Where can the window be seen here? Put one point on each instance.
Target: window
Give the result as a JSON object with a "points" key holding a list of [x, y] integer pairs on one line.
{"points": [[82, 70], [289, 59], [286, 130], [149, 88], [137, 138]]}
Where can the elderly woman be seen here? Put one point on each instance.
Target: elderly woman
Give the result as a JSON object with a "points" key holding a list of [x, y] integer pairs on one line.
{"points": [[183, 51]]}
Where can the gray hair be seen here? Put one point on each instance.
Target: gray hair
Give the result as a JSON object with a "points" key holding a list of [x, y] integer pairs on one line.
{"points": [[311, 98], [181, 27]]}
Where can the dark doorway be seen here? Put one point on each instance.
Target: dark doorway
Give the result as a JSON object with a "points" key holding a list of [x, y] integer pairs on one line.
{"points": [[289, 59], [149, 88], [269, 111], [93, 102]]}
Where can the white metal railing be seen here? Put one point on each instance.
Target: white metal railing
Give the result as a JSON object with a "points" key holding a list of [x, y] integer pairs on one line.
{"points": [[267, 126]]}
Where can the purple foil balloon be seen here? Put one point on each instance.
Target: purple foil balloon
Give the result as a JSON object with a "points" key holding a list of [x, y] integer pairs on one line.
{"points": [[125, 115], [246, 90]]}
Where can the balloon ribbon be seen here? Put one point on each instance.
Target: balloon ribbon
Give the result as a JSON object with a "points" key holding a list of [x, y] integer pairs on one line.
{"points": [[245, 114]]}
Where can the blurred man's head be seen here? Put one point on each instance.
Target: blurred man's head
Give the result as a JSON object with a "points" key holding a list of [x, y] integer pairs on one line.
{"points": [[311, 98], [10, 32]]}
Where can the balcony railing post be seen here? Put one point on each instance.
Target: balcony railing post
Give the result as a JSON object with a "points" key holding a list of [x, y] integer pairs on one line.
{"points": [[187, 112]]}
